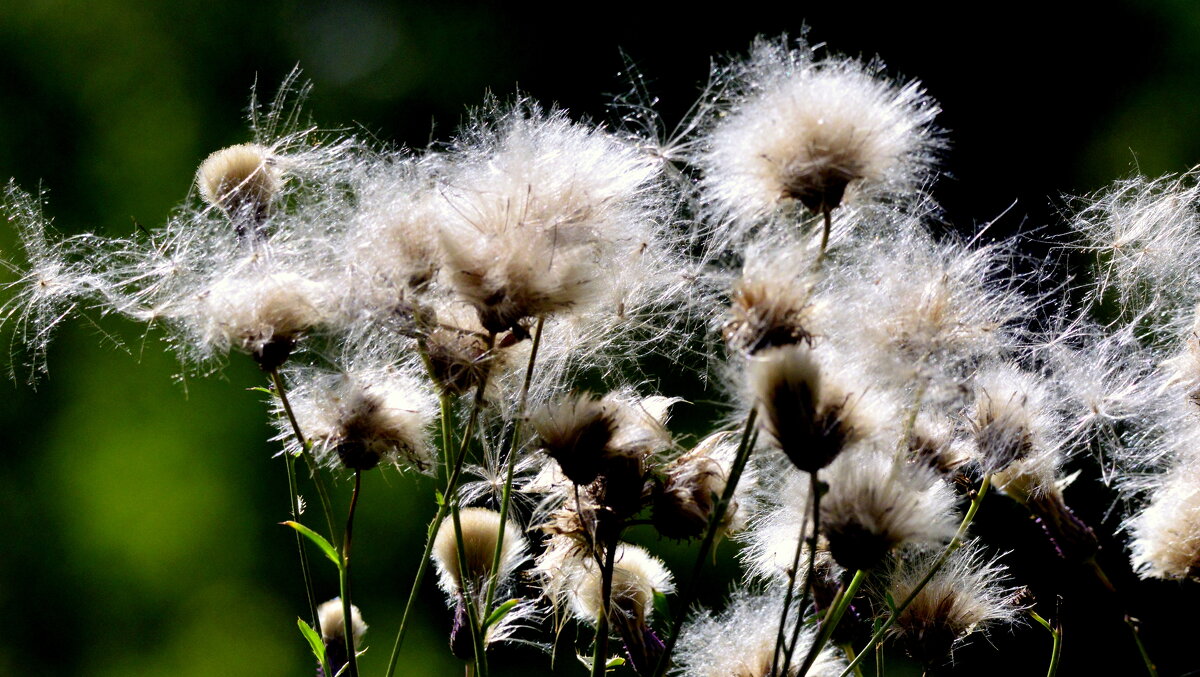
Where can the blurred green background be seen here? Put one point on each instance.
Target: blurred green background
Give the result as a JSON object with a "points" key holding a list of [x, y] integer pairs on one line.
{"points": [[139, 503]]}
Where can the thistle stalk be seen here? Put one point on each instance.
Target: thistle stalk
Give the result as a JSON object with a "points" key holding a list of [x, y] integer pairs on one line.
{"points": [[815, 488], [443, 508], [306, 451], [749, 437], [477, 645], [600, 650], [344, 578], [954, 545], [511, 459]]}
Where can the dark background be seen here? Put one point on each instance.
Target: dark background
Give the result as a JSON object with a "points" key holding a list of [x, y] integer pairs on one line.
{"points": [[138, 510]]}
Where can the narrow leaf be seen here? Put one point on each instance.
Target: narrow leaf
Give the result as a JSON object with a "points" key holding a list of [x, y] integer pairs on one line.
{"points": [[662, 610], [313, 536], [260, 389], [499, 613], [314, 640]]}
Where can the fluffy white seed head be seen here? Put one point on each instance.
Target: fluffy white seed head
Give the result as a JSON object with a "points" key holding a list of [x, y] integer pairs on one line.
{"points": [[806, 129], [544, 215], [333, 626], [480, 530], [1166, 532], [260, 311], [364, 417], [637, 575], [1012, 418], [740, 641], [808, 414], [237, 178], [965, 596], [876, 504], [771, 302]]}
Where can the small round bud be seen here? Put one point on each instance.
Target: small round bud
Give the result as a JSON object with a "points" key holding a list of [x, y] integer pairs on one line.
{"points": [[242, 180]]}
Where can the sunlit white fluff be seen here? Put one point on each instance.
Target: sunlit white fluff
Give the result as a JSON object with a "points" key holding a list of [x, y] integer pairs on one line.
{"points": [[740, 641], [795, 126], [877, 504], [1012, 418], [1166, 532], [363, 416], [966, 596]]}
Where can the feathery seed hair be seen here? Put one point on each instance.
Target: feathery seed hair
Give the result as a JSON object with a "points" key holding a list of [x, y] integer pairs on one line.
{"points": [[798, 127], [965, 596]]}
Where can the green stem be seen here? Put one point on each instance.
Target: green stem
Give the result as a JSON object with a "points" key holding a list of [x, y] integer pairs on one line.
{"points": [[306, 451], [1137, 638], [714, 524], [344, 579], [833, 616], [848, 649], [443, 508], [1056, 647], [464, 575], [305, 570], [950, 549], [511, 459]]}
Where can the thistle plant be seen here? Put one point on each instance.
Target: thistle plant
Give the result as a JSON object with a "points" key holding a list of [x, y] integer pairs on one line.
{"points": [[488, 312]]}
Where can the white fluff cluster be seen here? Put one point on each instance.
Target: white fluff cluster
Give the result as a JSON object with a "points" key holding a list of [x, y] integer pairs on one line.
{"points": [[793, 126], [740, 642]]}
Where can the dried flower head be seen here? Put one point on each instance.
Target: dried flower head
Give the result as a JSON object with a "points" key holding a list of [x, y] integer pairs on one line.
{"points": [[806, 412], [965, 596], [544, 214], [576, 432], [1166, 532], [771, 302], [740, 642], [800, 128], [1012, 415], [332, 618], [241, 180], [876, 504], [364, 417], [685, 499]]}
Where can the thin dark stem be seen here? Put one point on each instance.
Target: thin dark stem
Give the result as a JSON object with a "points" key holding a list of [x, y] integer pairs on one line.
{"points": [[304, 568], [510, 456], [710, 536], [443, 508], [781, 636], [600, 653], [318, 480], [344, 578], [810, 570], [1129, 620]]}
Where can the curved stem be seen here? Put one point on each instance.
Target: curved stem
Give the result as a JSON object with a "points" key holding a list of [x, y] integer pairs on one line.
{"points": [[511, 460], [749, 436], [954, 545], [306, 451], [443, 508], [344, 579]]}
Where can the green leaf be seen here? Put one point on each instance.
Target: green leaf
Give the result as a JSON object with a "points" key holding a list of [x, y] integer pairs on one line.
{"points": [[313, 536], [891, 603], [314, 640], [662, 609], [499, 613], [260, 389], [615, 661]]}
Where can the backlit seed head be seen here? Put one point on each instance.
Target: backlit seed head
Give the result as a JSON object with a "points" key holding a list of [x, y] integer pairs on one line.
{"points": [[808, 416], [480, 530], [241, 180]]}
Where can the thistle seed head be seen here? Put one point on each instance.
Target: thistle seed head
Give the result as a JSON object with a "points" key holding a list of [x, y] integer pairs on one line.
{"points": [[242, 181]]}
